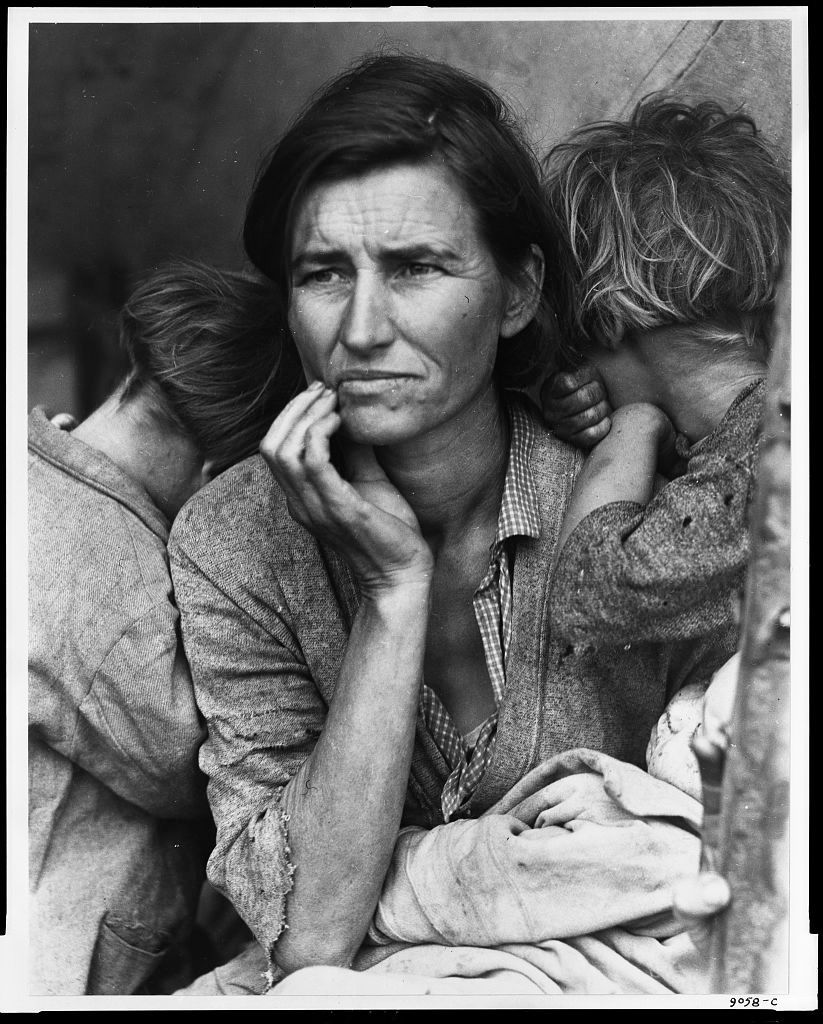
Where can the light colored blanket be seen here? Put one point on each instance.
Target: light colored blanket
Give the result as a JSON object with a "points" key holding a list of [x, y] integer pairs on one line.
{"points": [[584, 842], [564, 886]]}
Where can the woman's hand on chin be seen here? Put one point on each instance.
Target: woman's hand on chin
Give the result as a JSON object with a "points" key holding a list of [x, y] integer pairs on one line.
{"points": [[365, 518]]}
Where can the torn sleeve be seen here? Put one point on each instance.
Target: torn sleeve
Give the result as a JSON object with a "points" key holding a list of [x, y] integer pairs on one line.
{"points": [[672, 570], [264, 714], [665, 572]]}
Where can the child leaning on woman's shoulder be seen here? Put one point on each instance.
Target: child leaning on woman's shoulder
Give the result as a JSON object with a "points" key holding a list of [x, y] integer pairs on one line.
{"points": [[676, 229]]}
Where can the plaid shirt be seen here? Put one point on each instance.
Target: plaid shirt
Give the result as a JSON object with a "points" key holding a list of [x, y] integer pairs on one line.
{"points": [[519, 516]]}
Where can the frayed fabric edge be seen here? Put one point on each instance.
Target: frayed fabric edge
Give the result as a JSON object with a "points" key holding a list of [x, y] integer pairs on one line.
{"points": [[275, 974]]}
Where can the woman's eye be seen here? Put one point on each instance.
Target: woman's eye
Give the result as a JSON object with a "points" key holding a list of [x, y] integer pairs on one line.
{"points": [[418, 269], [325, 275]]}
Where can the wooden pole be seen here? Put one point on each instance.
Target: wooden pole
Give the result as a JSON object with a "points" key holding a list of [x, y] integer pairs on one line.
{"points": [[749, 941]]}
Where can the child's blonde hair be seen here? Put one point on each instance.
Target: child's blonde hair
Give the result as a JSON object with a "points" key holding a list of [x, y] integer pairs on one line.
{"points": [[679, 215]]}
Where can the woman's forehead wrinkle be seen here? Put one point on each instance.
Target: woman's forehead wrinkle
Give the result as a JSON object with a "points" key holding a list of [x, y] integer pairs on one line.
{"points": [[323, 221], [427, 209]]}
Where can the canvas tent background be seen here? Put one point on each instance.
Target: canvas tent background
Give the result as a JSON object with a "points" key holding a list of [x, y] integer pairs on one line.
{"points": [[144, 138]]}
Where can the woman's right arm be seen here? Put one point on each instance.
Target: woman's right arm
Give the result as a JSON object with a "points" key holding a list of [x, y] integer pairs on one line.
{"points": [[333, 826], [346, 801]]}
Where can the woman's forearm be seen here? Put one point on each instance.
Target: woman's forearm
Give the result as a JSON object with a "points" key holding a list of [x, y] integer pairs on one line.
{"points": [[346, 802]]}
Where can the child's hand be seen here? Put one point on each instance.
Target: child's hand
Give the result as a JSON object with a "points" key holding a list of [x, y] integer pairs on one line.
{"points": [[576, 406]]}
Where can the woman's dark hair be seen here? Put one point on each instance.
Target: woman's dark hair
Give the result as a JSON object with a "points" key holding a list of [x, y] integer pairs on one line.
{"points": [[677, 215], [212, 352], [392, 108]]}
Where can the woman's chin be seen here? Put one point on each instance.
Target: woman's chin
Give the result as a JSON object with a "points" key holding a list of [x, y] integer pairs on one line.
{"points": [[376, 427]]}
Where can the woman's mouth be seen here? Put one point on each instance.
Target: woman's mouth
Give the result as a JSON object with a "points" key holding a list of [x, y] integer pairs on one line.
{"points": [[371, 383]]}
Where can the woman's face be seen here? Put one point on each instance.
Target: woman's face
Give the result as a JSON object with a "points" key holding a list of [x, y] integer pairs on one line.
{"points": [[396, 301]]}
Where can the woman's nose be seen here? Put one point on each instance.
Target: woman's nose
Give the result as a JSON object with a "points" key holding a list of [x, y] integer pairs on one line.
{"points": [[367, 322]]}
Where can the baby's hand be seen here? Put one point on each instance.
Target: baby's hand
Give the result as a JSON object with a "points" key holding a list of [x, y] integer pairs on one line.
{"points": [[669, 754], [710, 744], [576, 406], [718, 704]]}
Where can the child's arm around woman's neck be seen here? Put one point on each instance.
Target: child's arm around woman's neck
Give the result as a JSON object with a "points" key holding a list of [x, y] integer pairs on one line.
{"points": [[659, 381], [691, 378]]}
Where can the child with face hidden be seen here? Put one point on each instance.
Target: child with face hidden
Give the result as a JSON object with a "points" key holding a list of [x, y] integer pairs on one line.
{"points": [[119, 827], [675, 226]]}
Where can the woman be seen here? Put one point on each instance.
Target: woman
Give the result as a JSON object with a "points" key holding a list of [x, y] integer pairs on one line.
{"points": [[364, 608], [119, 824]]}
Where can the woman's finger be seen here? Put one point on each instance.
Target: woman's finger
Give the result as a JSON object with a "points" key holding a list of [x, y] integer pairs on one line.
{"points": [[540, 831], [331, 505], [304, 466], [289, 466], [559, 814], [290, 415], [293, 446], [290, 451], [324, 503], [549, 796], [316, 440]]}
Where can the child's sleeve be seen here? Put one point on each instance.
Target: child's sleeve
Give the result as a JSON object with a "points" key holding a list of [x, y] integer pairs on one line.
{"points": [[668, 571]]}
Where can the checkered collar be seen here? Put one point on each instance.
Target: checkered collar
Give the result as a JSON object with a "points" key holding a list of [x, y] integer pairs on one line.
{"points": [[519, 508]]}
